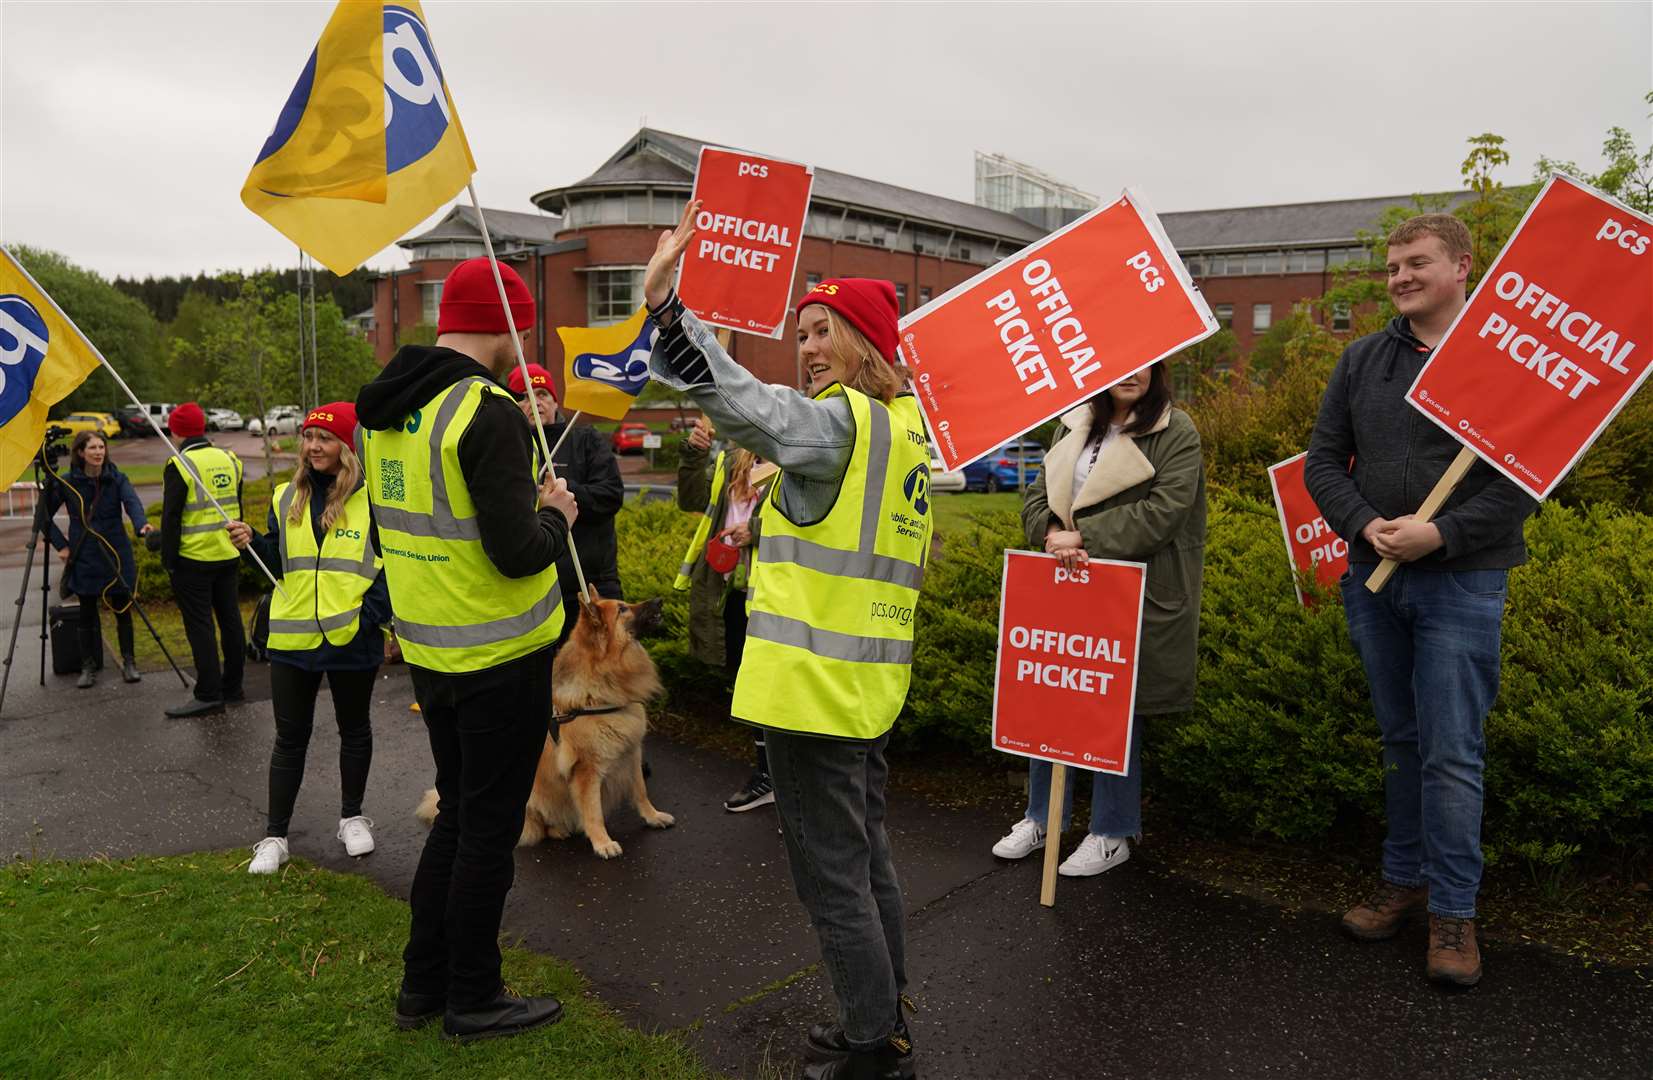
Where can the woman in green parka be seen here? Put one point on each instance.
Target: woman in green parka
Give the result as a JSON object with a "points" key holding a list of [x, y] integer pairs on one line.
{"points": [[730, 492], [1126, 482]]}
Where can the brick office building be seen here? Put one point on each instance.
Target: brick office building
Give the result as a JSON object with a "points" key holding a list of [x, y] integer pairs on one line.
{"points": [[583, 254]]}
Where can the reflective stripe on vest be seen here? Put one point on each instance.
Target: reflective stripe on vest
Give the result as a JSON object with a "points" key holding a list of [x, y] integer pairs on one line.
{"points": [[324, 587], [202, 536], [703, 531], [829, 642], [454, 610]]}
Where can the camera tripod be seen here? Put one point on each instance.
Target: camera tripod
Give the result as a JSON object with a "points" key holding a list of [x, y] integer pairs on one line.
{"points": [[39, 536]]}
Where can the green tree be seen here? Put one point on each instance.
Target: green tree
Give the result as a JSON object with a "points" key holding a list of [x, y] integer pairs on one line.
{"points": [[121, 328], [1628, 176]]}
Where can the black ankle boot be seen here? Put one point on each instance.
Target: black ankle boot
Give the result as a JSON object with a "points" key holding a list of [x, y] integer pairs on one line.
{"points": [[828, 1045], [129, 670], [88, 674]]}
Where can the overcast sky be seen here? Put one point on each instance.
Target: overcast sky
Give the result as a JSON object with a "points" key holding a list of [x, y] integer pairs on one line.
{"points": [[126, 129]]}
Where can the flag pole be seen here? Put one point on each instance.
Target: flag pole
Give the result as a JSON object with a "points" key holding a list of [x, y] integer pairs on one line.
{"points": [[564, 436], [107, 366], [522, 365]]}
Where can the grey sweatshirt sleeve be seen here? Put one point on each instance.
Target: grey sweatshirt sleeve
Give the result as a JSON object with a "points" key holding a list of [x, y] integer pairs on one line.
{"points": [[1485, 518], [811, 440], [1326, 470]]}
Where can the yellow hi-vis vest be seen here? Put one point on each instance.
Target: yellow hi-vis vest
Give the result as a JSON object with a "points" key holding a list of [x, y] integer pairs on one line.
{"points": [[454, 611], [324, 586], [829, 640], [203, 537], [703, 531]]}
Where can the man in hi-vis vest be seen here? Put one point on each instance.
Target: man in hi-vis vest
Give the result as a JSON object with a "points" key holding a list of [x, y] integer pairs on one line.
{"points": [[470, 553], [203, 564]]}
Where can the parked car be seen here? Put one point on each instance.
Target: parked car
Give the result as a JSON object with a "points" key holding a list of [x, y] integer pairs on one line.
{"points": [[628, 438], [224, 420], [100, 422], [943, 480], [282, 420], [134, 422], [999, 470], [159, 413]]}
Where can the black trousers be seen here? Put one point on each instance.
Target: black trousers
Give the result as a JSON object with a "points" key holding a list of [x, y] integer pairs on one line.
{"points": [[206, 592], [734, 647], [293, 693], [487, 729], [90, 628]]}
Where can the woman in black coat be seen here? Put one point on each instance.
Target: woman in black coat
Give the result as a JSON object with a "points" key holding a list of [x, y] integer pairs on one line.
{"points": [[97, 555]]}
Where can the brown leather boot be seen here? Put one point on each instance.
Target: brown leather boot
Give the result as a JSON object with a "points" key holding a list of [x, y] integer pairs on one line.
{"points": [[1454, 956], [1380, 916]]}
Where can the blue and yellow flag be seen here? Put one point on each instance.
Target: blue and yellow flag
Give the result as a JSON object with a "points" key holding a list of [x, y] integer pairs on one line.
{"points": [[43, 357], [606, 367], [368, 144]]}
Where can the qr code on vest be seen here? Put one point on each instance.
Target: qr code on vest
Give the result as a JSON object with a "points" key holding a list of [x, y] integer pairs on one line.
{"points": [[392, 488]]}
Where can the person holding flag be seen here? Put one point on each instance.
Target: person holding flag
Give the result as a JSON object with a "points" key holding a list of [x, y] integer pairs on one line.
{"points": [[829, 639], [203, 563], [470, 558], [324, 624], [585, 461]]}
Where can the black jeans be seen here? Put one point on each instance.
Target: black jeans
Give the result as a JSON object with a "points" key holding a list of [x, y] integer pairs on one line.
{"points": [[734, 647], [293, 693], [487, 729], [205, 592], [830, 795], [90, 629]]}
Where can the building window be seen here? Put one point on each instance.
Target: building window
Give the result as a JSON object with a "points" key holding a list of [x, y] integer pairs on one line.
{"points": [[901, 299], [1305, 262], [923, 295], [1340, 315], [1262, 317], [612, 294], [1195, 265], [1224, 314], [430, 301]]}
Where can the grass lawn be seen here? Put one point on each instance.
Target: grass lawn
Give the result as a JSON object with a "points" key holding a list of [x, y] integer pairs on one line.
{"points": [[144, 473], [953, 509], [189, 966], [170, 625]]}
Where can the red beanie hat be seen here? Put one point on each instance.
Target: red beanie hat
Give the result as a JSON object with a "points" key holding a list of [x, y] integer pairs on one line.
{"points": [[470, 300], [536, 375], [868, 304], [338, 418], [187, 420]]}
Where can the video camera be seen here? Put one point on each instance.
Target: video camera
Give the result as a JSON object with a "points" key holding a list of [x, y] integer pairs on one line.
{"points": [[52, 447]]}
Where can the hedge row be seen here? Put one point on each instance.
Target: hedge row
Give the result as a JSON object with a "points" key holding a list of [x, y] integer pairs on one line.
{"points": [[1282, 741]]}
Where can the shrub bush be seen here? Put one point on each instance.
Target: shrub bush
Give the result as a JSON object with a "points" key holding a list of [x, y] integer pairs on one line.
{"points": [[1282, 741]]}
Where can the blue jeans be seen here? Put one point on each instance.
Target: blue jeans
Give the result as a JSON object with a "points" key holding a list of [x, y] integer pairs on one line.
{"points": [[1116, 801], [1430, 645], [830, 796]]}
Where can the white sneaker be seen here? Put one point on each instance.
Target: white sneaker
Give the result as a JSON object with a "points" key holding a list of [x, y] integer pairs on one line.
{"points": [[268, 855], [1025, 837], [356, 832], [1094, 855]]}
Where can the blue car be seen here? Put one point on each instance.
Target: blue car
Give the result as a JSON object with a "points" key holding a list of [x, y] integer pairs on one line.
{"points": [[999, 470]]}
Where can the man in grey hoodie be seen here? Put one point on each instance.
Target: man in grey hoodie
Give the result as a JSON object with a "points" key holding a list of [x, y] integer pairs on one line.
{"points": [[1430, 640]]}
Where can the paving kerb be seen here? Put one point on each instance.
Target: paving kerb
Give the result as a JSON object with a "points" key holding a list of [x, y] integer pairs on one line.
{"points": [[1135, 973]]}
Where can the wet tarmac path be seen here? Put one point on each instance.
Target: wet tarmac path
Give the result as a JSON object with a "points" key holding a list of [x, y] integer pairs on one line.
{"points": [[1138, 973]]}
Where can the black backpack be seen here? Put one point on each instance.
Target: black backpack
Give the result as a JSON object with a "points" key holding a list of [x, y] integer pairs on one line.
{"points": [[258, 633]]}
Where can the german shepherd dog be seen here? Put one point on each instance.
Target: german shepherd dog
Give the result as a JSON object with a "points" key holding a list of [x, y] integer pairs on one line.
{"points": [[597, 761]]}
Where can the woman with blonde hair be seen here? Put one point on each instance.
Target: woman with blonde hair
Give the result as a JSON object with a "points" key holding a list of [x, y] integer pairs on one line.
{"points": [[829, 635], [324, 622]]}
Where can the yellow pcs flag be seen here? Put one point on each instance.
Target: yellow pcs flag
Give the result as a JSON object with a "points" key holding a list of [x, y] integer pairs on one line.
{"points": [[606, 367], [368, 144], [43, 357]]}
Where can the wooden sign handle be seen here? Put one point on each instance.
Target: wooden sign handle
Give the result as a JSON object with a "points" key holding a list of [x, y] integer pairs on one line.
{"points": [[1053, 833], [1431, 506], [725, 338]]}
